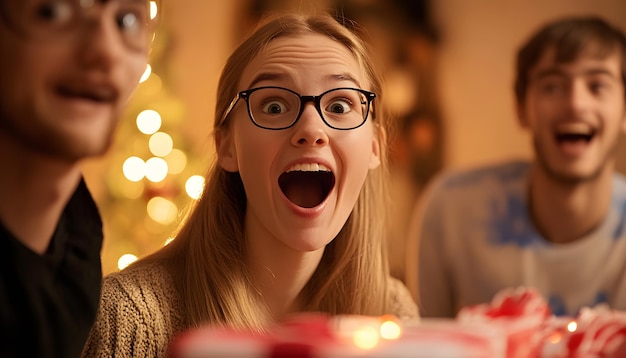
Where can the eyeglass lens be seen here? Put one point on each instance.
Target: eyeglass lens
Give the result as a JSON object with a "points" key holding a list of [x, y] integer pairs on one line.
{"points": [[277, 108], [55, 19]]}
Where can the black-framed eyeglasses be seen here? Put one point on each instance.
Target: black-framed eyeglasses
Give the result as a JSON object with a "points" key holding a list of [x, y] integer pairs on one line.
{"points": [[52, 20], [278, 108]]}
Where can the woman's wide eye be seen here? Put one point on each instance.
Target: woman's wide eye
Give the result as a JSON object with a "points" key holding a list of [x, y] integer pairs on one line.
{"points": [[339, 106], [274, 107]]}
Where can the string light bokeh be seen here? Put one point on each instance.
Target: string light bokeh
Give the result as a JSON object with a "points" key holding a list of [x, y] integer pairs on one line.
{"points": [[152, 174]]}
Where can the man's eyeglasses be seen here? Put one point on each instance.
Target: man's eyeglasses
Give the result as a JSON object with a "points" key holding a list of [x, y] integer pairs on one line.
{"points": [[49, 20], [277, 108]]}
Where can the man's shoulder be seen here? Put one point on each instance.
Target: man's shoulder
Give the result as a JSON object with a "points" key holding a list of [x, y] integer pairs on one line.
{"points": [[502, 173], [475, 190], [619, 184], [618, 199]]}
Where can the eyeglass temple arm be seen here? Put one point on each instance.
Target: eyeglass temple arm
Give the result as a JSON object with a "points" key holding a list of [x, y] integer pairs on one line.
{"points": [[230, 107]]}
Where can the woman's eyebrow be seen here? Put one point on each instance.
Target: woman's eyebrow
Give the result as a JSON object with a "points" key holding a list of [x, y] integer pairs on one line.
{"points": [[268, 76], [275, 76], [344, 77]]}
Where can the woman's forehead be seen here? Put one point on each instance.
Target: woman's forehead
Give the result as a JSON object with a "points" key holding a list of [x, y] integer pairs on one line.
{"points": [[290, 57]]}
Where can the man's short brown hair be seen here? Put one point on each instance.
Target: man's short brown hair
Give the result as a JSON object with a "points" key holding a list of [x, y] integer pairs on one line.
{"points": [[569, 37]]}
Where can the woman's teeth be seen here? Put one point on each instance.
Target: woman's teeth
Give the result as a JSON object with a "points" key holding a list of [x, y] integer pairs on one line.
{"points": [[308, 167]]}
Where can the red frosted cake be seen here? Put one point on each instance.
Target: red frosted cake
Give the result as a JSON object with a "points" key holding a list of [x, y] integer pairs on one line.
{"points": [[516, 324], [344, 336]]}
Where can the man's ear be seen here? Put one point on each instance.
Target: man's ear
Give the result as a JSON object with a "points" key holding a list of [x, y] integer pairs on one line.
{"points": [[375, 158], [226, 151], [624, 122]]}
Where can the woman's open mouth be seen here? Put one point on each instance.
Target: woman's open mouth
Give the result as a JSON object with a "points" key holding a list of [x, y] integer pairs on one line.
{"points": [[307, 185]]}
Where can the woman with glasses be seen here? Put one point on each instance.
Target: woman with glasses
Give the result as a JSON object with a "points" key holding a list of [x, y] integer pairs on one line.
{"points": [[292, 217], [67, 70]]}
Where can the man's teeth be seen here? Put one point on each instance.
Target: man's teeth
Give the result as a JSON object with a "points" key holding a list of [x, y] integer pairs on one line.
{"points": [[308, 167], [575, 128]]}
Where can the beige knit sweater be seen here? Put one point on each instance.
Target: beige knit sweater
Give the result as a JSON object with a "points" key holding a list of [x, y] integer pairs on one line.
{"points": [[139, 313]]}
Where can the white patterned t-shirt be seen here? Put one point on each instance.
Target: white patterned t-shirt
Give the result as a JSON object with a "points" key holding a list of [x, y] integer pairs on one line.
{"points": [[476, 238]]}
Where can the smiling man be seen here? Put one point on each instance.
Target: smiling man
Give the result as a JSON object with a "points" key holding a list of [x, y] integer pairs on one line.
{"points": [[557, 223], [67, 70]]}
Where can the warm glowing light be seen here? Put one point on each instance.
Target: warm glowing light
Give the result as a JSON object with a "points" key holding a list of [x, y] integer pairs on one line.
{"points": [[162, 210], [194, 186], [572, 326], [146, 74], [160, 144], [390, 330], [134, 168], [555, 338], [148, 121], [125, 260], [365, 337], [131, 190], [167, 242], [156, 169], [152, 86], [176, 161], [154, 9]]}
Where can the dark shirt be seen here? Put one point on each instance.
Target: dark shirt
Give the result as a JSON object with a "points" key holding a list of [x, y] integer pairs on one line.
{"points": [[48, 302]]}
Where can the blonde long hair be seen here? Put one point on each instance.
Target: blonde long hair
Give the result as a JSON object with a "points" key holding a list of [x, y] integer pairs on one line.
{"points": [[207, 258]]}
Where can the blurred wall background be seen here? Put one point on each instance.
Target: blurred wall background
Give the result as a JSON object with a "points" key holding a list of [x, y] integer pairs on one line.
{"points": [[479, 40], [449, 71]]}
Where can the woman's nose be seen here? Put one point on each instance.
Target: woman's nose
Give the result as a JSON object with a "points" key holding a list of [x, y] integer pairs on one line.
{"points": [[310, 128]]}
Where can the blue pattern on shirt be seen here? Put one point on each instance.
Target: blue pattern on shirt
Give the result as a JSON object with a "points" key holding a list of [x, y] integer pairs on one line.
{"points": [[511, 226], [558, 307]]}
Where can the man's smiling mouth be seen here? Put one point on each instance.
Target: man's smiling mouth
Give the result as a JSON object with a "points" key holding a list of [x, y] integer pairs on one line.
{"points": [[96, 93], [307, 185], [574, 133]]}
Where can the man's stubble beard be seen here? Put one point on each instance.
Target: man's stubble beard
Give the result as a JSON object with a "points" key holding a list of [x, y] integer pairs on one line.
{"points": [[570, 180]]}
